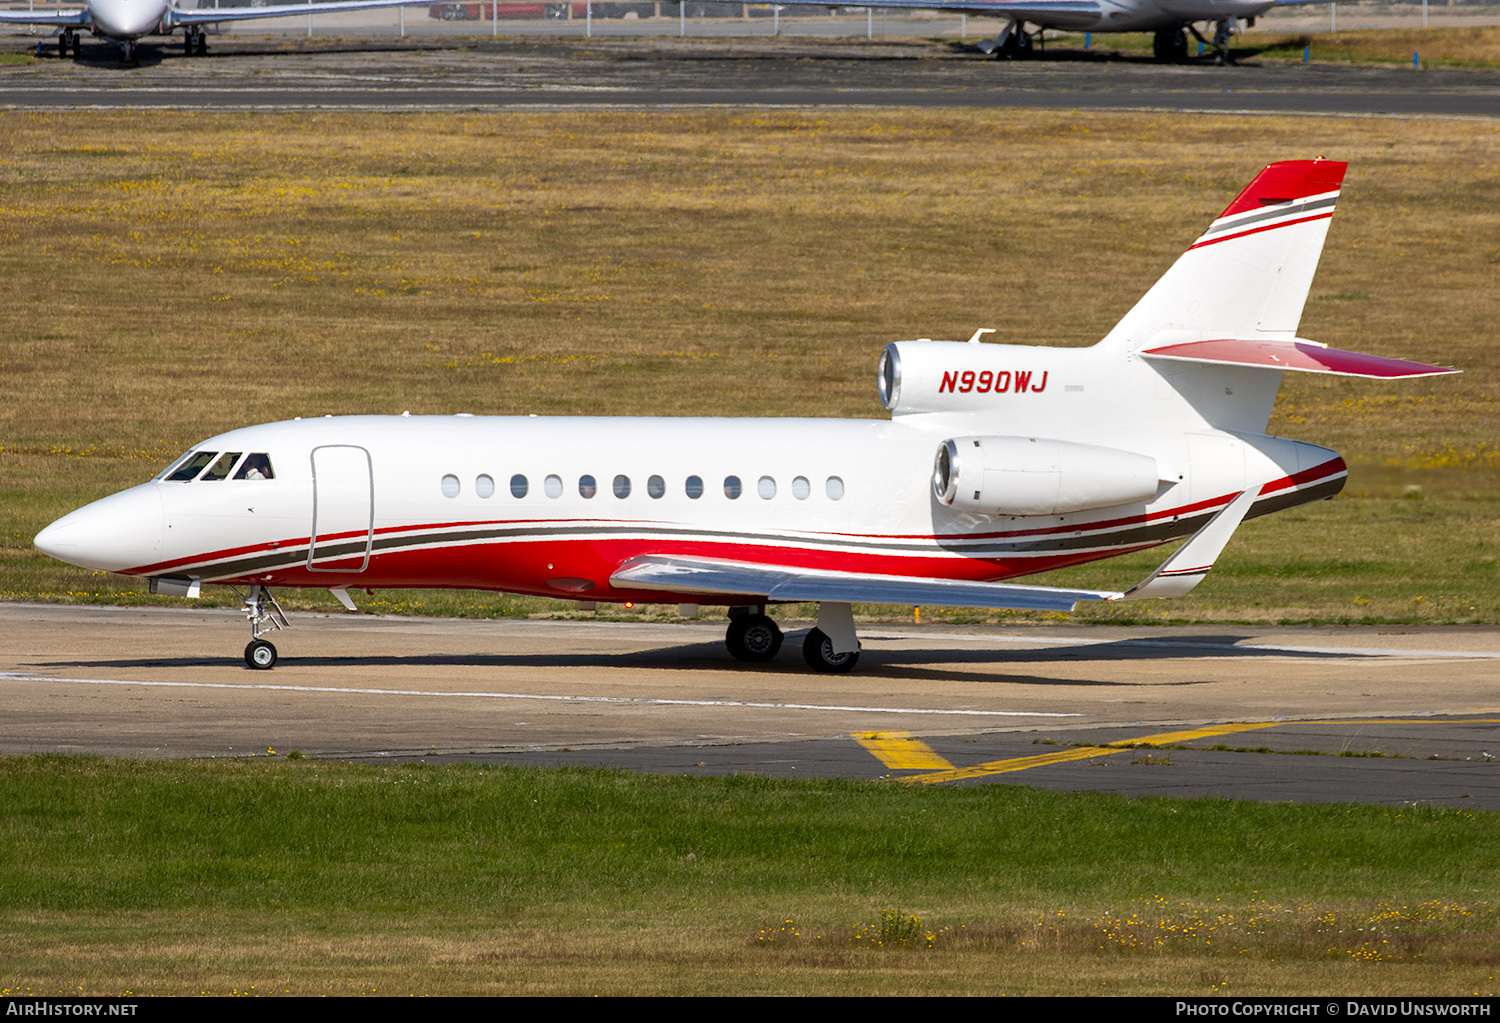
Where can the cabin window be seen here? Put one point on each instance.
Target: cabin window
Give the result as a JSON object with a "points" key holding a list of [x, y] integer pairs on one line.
{"points": [[835, 488], [221, 469], [766, 488], [732, 487], [801, 488], [450, 485], [484, 486], [518, 485], [192, 467], [553, 486], [694, 487], [256, 466], [622, 487], [656, 486], [587, 487]]}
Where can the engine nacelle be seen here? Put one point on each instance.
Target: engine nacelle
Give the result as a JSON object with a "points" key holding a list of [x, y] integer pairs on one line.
{"points": [[1038, 476], [954, 376]]}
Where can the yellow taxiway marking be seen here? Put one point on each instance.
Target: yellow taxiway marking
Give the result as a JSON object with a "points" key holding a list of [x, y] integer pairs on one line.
{"points": [[900, 752], [1062, 756]]}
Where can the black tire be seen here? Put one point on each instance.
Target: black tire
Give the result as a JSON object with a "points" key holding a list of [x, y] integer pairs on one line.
{"points": [[817, 651], [753, 638], [260, 655], [1170, 47]]}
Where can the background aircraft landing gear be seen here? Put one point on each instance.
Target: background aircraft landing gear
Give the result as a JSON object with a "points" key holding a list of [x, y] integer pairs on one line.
{"points": [[1169, 47], [1016, 44], [752, 636], [264, 615], [260, 654], [194, 41], [817, 651]]}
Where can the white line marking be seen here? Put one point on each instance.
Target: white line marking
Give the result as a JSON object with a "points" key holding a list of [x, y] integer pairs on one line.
{"points": [[12, 676], [1185, 644]]}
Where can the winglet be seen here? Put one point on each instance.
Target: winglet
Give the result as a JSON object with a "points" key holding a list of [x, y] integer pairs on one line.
{"points": [[1190, 563]]}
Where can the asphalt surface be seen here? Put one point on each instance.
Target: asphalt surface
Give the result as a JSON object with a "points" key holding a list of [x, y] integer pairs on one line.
{"points": [[1393, 716], [433, 73]]}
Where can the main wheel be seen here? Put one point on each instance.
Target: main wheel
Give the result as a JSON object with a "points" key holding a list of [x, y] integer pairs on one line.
{"points": [[817, 651], [753, 638], [260, 655], [1169, 47]]}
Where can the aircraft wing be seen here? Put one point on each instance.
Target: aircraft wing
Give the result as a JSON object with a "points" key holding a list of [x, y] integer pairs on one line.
{"points": [[678, 574], [674, 573], [78, 17], [1031, 10], [207, 15]]}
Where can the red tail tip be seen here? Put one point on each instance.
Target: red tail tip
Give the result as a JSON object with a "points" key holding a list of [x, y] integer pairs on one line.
{"points": [[1289, 180]]}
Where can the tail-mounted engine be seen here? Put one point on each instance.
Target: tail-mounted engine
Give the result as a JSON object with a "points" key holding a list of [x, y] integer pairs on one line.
{"points": [[1038, 476], [953, 376]]}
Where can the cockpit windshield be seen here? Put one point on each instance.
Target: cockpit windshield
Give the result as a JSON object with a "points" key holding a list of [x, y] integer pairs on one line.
{"points": [[189, 468], [256, 466]]}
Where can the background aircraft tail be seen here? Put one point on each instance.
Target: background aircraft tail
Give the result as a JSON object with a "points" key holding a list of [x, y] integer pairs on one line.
{"points": [[1247, 276]]}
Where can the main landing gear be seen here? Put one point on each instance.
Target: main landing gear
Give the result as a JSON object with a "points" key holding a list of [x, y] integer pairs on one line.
{"points": [[1013, 43], [832, 647], [1170, 47], [67, 40], [752, 636], [264, 615], [194, 41]]}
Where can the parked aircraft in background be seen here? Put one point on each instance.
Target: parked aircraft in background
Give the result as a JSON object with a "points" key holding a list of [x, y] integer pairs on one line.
{"points": [[128, 21], [1170, 21], [998, 461]]}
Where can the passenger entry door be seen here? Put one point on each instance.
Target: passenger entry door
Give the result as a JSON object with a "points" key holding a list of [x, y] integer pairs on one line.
{"points": [[343, 520]]}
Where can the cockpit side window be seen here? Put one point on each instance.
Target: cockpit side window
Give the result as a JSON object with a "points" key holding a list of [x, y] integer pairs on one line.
{"points": [[220, 469], [257, 466], [190, 467]]}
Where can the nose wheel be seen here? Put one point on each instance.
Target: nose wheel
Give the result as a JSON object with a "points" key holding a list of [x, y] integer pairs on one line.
{"points": [[260, 655], [264, 615]]}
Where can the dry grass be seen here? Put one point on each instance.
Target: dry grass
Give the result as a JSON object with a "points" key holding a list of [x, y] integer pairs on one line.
{"points": [[163, 278]]}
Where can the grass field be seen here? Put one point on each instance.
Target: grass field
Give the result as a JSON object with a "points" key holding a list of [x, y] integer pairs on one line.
{"points": [[163, 278], [305, 877]]}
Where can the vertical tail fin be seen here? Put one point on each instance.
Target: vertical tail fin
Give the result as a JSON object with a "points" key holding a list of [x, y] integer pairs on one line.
{"points": [[1248, 275]]}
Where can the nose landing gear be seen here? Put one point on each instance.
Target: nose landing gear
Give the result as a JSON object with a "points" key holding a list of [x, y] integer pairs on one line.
{"points": [[264, 615]]}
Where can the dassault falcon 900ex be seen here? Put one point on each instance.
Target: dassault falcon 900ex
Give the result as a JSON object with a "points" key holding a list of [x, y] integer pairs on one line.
{"points": [[998, 461]]}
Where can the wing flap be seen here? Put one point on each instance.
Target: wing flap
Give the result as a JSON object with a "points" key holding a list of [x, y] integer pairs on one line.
{"points": [[677, 574], [1297, 354]]}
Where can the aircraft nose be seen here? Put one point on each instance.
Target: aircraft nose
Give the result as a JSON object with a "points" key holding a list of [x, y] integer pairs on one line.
{"points": [[122, 531]]}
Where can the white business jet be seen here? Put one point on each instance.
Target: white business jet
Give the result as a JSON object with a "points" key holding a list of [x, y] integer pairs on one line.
{"points": [[998, 461], [128, 21]]}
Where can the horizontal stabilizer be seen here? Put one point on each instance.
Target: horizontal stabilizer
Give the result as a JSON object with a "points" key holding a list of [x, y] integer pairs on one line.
{"points": [[1296, 354], [775, 582]]}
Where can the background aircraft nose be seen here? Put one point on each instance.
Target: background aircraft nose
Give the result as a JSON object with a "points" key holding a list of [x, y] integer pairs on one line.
{"points": [[122, 531]]}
